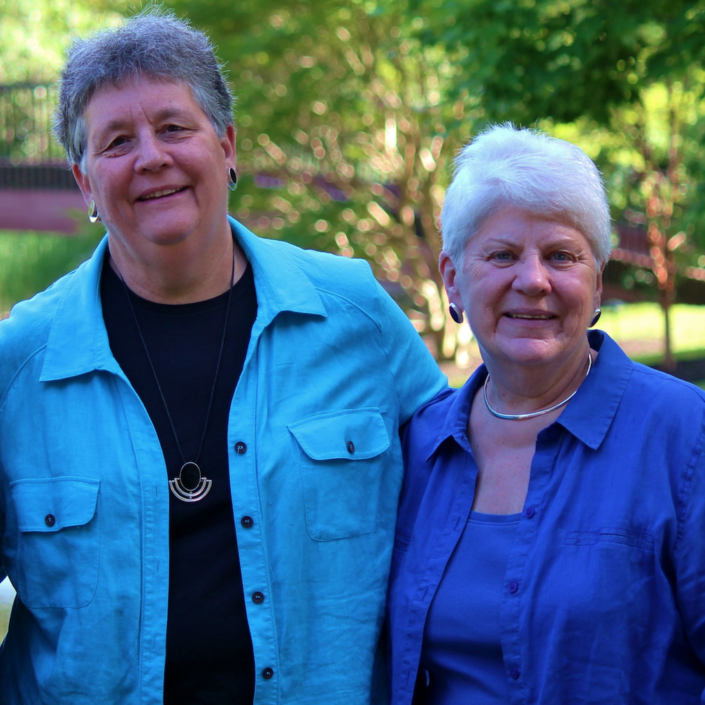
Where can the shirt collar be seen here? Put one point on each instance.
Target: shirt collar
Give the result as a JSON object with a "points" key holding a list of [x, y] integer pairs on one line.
{"points": [[587, 416], [78, 341], [590, 412], [281, 284], [455, 425]]}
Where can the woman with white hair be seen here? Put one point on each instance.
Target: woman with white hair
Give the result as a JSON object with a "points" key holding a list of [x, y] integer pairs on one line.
{"points": [[549, 545]]}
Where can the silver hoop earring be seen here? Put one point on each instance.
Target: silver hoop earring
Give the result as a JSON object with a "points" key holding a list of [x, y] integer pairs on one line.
{"points": [[596, 317], [455, 313], [232, 179]]}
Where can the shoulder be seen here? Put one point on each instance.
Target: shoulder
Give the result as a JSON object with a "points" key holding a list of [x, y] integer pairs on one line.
{"points": [[26, 331], [666, 416], [420, 435], [329, 272], [283, 266], [647, 380], [659, 393], [646, 404]]}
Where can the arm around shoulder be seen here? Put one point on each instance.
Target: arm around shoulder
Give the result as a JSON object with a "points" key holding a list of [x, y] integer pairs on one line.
{"points": [[416, 374]]}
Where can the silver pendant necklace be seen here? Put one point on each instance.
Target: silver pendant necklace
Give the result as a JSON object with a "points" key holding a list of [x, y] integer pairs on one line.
{"points": [[190, 485], [533, 414]]}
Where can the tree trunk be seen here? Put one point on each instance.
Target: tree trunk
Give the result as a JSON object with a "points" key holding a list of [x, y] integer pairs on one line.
{"points": [[669, 362]]}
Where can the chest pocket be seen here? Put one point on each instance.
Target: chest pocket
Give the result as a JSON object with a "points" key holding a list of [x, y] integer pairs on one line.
{"points": [[342, 458], [58, 541]]}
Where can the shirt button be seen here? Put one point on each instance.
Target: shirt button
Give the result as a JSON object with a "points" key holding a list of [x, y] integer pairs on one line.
{"points": [[257, 598], [530, 512], [247, 522], [513, 587], [351, 447], [50, 520], [267, 673], [514, 673], [240, 448]]}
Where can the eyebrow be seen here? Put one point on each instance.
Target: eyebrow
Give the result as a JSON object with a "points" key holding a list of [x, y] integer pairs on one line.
{"points": [[560, 241], [116, 125]]}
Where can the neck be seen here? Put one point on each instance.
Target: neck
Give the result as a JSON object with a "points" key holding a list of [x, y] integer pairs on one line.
{"points": [[178, 273], [519, 389]]}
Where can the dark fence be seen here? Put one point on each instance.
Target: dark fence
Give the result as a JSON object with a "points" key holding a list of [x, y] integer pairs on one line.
{"points": [[26, 111], [37, 176]]}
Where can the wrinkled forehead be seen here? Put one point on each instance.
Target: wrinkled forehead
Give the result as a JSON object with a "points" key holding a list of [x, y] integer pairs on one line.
{"points": [[113, 107], [139, 87], [521, 221]]}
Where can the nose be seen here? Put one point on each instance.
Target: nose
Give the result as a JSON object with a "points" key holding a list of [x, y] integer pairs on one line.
{"points": [[532, 277], [152, 154]]}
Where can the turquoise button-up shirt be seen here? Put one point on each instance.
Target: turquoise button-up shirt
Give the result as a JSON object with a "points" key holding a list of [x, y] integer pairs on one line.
{"points": [[332, 365]]}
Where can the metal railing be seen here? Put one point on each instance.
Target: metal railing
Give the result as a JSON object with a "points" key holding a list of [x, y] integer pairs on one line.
{"points": [[26, 111]]}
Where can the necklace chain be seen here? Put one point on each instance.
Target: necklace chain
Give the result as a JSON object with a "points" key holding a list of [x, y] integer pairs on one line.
{"points": [[190, 492], [533, 414]]}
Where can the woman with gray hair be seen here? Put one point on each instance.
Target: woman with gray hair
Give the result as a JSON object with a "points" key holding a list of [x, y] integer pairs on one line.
{"points": [[199, 451], [549, 544]]}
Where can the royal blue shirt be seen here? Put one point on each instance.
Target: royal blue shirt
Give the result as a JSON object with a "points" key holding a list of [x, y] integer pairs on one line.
{"points": [[604, 591], [462, 644]]}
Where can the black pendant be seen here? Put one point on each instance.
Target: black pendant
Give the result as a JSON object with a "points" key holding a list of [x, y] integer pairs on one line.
{"points": [[190, 485]]}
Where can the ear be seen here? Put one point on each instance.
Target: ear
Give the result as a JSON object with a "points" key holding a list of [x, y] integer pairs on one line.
{"points": [[227, 142], [598, 287], [83, 183], [449, 274]]}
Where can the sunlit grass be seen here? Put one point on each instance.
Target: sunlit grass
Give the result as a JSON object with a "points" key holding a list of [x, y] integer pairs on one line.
{"points": [[30, 261], [6, 598], [640, 322]]}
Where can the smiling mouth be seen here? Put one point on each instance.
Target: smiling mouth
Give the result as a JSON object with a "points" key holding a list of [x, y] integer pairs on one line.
{"points": [[531, 317], [161, 194]]}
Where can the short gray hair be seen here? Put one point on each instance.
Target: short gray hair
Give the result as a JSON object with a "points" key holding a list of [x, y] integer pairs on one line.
{"points": [[155, 44], [506, 167]]}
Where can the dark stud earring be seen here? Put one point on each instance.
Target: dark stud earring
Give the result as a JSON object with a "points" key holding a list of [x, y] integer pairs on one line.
{"points": [[232, 179], [596, 317], [455, 313]]}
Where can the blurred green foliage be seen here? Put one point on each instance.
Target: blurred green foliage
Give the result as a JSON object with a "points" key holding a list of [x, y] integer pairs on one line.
{"points": [[344, 135], [349, 114], [625, 80], [30, 262], [35, 33]]}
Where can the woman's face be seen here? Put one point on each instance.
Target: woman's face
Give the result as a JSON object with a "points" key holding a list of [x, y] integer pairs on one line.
{"points": [[529, 286], [155, 166]]}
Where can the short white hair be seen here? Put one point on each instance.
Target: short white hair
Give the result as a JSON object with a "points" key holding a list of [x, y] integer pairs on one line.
{"points": [[507, 167]]}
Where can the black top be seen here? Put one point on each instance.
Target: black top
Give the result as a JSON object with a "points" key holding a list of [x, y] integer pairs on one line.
{"points": [[209, 657]]}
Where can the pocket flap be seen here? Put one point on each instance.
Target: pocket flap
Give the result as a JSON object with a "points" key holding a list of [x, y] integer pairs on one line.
{"points": [[356, 434], [52, 504]]}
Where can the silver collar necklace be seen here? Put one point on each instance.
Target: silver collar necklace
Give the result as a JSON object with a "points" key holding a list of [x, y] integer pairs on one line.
{"points": [[540, 412]]}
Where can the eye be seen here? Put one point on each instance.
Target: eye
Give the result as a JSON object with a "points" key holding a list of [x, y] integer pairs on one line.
{"points": [[173, 129], [117, 142], [562, 257], [502, 256]]}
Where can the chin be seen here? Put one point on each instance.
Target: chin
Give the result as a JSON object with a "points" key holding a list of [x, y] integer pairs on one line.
{"points": [[529, 351], [167, 234], [169, 230], [166, 239]]}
